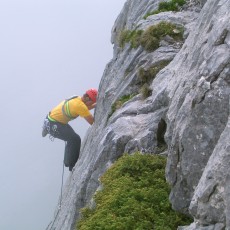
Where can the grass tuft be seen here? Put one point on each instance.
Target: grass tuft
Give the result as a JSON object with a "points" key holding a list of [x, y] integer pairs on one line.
{"points": [[173, 5], [132, 36], [146, 77], [118, 103], [150, 38], [145, 91]]}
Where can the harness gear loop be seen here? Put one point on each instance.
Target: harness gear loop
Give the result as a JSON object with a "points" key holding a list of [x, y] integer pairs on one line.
{"points": [[50, 118]]}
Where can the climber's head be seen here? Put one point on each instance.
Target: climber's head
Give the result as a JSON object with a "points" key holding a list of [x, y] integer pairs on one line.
{"points": [[90, 97], [92, 94]]}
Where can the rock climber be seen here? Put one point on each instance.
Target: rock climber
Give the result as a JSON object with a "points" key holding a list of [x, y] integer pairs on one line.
{"points": [[56, 123]]}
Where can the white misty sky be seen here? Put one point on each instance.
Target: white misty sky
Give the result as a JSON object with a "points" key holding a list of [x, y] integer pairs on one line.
{"points": [[49, 50]]}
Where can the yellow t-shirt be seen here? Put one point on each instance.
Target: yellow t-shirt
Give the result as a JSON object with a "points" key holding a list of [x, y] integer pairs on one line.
{"points": [[76, 107]]}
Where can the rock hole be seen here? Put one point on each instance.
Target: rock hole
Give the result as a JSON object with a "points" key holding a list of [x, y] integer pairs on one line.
{"points": [[160, 133]]}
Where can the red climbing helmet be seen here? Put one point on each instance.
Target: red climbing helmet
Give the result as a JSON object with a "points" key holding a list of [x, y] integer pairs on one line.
{"points": [[92, 93]]}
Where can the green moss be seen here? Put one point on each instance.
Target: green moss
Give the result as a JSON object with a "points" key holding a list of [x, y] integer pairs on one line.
{"points": [[134, 197], [172, 5], [118, 103], [150, 39]]}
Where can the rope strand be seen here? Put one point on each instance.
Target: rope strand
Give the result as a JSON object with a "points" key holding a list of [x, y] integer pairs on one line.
{"points": [[59, 206], [62, 183]]}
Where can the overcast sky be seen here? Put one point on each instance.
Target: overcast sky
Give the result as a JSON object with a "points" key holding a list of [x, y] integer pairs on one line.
{"points": [[49, 50]]}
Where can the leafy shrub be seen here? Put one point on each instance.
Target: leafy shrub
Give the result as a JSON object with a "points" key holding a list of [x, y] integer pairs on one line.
{"points": [[134, 197], [172, 5]]}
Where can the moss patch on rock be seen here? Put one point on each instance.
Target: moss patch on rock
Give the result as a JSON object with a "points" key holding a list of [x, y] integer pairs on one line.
{"points": [[132, 36], [151, 37]]}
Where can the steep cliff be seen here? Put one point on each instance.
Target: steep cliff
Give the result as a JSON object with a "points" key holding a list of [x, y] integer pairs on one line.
{"points": [[186, 113]]}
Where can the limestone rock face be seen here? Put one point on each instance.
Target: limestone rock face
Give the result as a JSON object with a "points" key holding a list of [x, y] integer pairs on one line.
{"points": [[187, 113], [198, 87]]}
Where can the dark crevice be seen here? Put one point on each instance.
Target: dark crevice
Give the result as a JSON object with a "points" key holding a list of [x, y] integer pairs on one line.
{"points": [[160, 133], [198, 101], [210, 28], [221, 39], [214, 77], [212, 192]]}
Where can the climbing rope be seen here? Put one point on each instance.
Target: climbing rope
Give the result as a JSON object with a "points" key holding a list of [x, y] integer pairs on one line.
{"points": [[59, 206], [61, 184]]}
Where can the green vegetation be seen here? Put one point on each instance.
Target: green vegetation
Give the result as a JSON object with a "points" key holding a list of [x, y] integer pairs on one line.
{"points": [[134, 197], [132, 36], [147, 76], [145, 91], [150, 38], [118, 103], [172, 5]]}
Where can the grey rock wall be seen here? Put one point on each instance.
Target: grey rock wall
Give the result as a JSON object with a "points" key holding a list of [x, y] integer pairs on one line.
{"points": [[199, 93], [188, 111]]}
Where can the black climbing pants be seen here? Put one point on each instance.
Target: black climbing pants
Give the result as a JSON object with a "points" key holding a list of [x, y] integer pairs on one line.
{"points": [[66, 133]]}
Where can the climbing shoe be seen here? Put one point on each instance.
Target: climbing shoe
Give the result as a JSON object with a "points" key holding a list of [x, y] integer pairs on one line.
{"points": [[44, 132], [45, 127], [70, 168]]}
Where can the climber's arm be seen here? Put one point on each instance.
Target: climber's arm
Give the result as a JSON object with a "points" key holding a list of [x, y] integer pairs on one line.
{"points": [[89, 119], [92, 106]]}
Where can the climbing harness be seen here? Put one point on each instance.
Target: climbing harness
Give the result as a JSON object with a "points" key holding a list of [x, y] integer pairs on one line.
{"points": [[46, 129], [53, 132], [50, 118], [46, 125], [51, 129]]}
